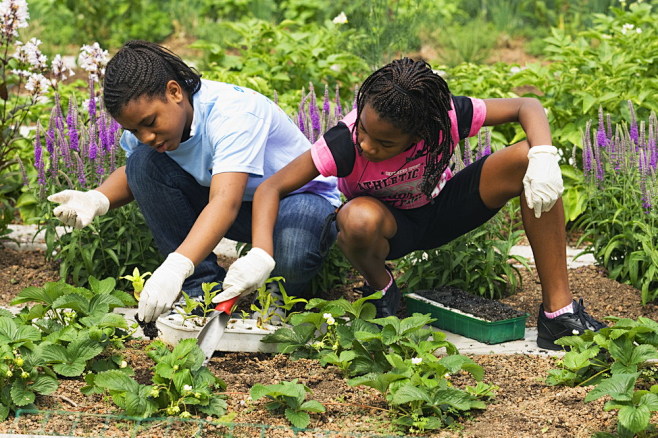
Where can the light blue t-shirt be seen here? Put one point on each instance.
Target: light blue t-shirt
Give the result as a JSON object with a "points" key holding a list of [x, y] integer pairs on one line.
{"points": [[235, 129]]}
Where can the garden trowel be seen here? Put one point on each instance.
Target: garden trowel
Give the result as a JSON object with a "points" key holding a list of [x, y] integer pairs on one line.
{"points": [[212, 332]]}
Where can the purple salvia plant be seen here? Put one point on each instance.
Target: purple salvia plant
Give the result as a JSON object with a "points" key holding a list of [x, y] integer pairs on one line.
{"points": [[38, 157], [91, 108], [651, 141], [82, 177], [338, 110], [314, 114], [93, 147], [644, 183], [587, 152], [326, 108], [301, 120], [601, 137], [633, 128], [467, 153], [72, 124]]}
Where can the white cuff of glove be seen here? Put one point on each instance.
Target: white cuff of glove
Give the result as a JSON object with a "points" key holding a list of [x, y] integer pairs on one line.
{"points": [[246, 274], [179, 264], [542, 149], [102, 203]]}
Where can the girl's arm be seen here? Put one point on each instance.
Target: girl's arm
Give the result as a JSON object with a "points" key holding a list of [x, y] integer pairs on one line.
{"points": [[266, 199], [116, 188], [226, 192], [528, 111]]}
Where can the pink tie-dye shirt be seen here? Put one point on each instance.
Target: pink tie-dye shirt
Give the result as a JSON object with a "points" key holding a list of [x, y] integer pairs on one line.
{"points": [[397, 180]]}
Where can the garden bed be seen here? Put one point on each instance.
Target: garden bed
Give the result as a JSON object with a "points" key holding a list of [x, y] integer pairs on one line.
{"points": [[524, 405]]}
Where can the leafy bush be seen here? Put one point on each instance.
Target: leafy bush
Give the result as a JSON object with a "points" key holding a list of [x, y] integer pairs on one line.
{"points": [[285, 56], [394, 356], [621, 213], [617, 361]]}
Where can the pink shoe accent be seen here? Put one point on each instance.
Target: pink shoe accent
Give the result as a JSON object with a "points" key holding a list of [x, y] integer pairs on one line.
{"points": [[567, 309]]}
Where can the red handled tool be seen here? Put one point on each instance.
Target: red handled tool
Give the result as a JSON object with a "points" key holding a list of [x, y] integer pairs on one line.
{"points": [[212, 332]]}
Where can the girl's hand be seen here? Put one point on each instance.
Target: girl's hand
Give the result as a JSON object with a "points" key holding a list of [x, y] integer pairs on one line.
{"points": [[246, 274], [79, 208], [542, 182], [163, 288]]}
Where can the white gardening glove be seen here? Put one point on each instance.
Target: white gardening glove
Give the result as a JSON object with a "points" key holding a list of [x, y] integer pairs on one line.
{"points": [[162, 289], [542, 182], [246, 274], [78, 208]]}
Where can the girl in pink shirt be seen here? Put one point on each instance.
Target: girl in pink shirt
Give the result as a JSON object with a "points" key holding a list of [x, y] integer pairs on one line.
{"points": [[392, 155]]}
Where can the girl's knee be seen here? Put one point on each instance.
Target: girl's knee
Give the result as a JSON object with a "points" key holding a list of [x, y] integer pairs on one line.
{"points": [[361, 219]]}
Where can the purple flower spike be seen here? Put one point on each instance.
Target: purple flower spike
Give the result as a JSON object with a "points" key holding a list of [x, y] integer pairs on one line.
{"points": [[72, 123], [92, 101], [93, 147], [601, 138], [38, 157], [338, 110], [82, 178], [634, 133]]}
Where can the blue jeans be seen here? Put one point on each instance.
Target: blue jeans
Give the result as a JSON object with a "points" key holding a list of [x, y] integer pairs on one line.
{"points": [[171, 200]]}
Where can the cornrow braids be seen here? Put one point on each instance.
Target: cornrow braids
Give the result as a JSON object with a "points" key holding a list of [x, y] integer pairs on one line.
{"points": [[143, 68], [415, 100]]}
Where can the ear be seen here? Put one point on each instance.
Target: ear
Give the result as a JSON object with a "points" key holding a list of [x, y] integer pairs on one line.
{"points": [[174, 91]]}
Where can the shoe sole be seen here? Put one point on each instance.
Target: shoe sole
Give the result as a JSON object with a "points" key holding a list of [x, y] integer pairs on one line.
{"points": [[547, 344]]}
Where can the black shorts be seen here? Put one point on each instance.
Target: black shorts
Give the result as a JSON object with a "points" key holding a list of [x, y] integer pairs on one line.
{"points": [[457, 210]]}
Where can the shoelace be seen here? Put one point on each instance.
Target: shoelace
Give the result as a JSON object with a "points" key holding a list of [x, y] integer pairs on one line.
{"points": [[586, 319]]}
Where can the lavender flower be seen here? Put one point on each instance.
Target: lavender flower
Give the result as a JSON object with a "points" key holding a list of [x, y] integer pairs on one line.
{"points": [[644, 184], [338, 110], [587, 152], [91, 107], [601, 138], [38, 157], [633, 129], [72, 123], [82, 176], [93, 147]]}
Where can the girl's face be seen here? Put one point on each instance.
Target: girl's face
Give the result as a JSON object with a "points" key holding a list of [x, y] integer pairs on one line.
{"points": [[378, 140], [161, 123]]}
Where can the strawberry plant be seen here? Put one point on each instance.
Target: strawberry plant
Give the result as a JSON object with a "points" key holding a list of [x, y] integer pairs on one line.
{"points": [[23, 374], [181, 386], [395, 356], [289, 397], [620, 362]]}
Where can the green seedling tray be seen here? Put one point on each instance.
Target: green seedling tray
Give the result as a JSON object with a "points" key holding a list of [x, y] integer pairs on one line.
{"points": [[460, 323]]}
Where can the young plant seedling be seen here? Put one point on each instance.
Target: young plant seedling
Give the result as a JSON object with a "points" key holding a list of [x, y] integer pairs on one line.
{"points": [[137, 281], [268, 308]]}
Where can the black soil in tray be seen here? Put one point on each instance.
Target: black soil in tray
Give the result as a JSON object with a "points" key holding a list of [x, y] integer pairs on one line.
{"points": [[489, 310]]}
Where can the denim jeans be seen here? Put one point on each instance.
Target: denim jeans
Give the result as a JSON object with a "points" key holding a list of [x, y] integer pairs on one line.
{"points": [[171, 200]]}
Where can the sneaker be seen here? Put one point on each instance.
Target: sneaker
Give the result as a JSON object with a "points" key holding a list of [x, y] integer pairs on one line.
{"points": [[567, 324], [278, 314], [386, 305]]}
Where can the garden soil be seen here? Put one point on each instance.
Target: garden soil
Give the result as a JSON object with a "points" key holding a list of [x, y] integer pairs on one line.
{"points": [[524, 405]]}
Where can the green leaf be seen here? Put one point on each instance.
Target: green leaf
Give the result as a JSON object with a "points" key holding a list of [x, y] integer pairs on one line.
{"points": [[635, 419], [20, 394], [54, 353], [258, 391], [312, 406], [115, 380], [44, 385], [70, 369], [409, 393], [299, 419], [619, 387]]}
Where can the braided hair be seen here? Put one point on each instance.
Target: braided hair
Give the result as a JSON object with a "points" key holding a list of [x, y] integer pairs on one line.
{"points": [[413, 98], [142, 68]]}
